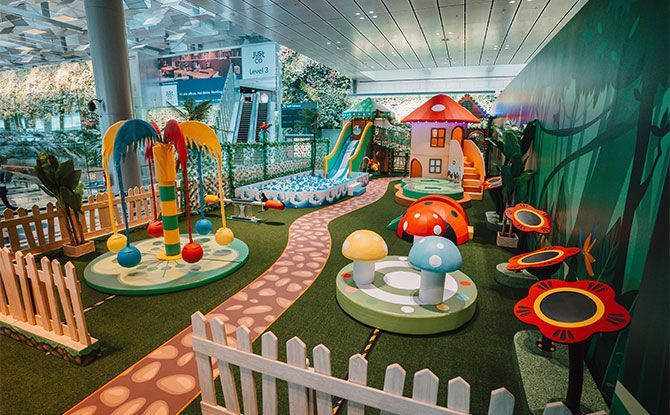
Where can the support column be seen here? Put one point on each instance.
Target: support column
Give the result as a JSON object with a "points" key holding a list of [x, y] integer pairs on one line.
{"points": [[109, 55]]}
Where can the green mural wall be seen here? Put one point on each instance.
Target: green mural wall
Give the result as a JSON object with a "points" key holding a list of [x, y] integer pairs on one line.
{"points": [[600, 92]]}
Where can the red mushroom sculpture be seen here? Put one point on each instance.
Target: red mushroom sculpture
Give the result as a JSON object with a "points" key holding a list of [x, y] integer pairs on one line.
{"points": [[418, 216], [419, 224]]}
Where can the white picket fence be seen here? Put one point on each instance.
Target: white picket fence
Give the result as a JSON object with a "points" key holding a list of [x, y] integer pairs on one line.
{"points": [[35, 300], [311, 389]]}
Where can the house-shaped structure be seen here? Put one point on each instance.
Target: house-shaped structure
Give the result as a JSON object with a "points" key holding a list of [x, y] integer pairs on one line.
{"points": [[434, 125]]}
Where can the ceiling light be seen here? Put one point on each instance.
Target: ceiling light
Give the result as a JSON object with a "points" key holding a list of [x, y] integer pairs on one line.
{"points": [[338, 42], [64, 18], [24, 48], [371, 12], [451, 33], [362, 18], [329, 43], [358, 14], [34, 31], [511, 1], [374, 17]]}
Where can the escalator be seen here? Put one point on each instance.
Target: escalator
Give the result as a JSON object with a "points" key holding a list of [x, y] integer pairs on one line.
{"points": [[261, 117], [245, 116]]}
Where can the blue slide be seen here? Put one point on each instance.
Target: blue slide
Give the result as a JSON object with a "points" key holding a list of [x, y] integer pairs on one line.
{"points": [[341, 168]]}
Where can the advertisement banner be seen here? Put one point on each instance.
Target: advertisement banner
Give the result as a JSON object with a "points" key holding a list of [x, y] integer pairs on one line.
{"points": [[199, 75], [259, 61], [292, 114]]}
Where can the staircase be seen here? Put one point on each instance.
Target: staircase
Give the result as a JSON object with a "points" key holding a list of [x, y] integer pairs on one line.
{"points": [[471, 183], [262, 116], [243, 130]]}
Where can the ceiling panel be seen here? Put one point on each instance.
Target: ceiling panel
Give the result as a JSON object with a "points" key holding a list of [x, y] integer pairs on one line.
{"points": [[352, 35]]}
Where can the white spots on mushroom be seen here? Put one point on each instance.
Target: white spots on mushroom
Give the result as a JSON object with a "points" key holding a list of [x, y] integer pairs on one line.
{"points": [[357, 236], [440, 246], [407, 309], [436, 216], [437, 230], [404, 226], [346, 245], [434, 261]]}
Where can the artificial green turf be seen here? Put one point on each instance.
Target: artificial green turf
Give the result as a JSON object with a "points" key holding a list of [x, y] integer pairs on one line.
{"points": [[481, 352], [128, 327]]}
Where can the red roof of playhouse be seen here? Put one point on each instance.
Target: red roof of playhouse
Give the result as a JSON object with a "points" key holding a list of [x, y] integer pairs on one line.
{"points": [[440, 108]]}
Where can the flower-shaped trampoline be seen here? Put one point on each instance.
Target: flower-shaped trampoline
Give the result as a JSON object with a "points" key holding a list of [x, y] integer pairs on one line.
{"points": [[492, 183], [156, 276], [526, 218], [391, 302], [543, 262], [570, 312]]}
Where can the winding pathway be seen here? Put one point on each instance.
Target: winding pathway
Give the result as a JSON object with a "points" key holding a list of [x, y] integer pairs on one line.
{"points": [[165, 381]]}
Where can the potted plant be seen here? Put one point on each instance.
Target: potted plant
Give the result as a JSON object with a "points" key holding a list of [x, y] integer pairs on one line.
{"points": [[513, 143], [62, 182]]}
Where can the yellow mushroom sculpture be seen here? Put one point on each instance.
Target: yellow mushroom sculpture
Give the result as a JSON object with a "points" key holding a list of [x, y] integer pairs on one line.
{"points": [[201, 136], [364, 248], [117, 240]]}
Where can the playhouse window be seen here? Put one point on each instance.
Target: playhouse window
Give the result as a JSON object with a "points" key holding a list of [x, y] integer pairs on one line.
{"points": [[437, 137], [435, 166]]}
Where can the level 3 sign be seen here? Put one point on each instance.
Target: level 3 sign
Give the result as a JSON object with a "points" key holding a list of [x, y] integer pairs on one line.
{"points": [[259, 61]]}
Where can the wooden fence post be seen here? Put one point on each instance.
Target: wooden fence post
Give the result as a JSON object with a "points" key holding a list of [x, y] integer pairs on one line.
{"points": [[458, 395], [269, 349], [324, 401], [225, 373], [246, 375], [203, 361], [358, 374], [394, 381], [297, 394]]}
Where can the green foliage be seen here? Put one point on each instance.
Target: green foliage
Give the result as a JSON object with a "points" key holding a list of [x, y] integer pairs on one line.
{"points": [[62, 182], [194, 111], [514, 143], [306, 80]]}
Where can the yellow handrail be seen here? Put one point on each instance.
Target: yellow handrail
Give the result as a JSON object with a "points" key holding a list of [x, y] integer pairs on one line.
{"points": [[358, 148], [337, 145]]}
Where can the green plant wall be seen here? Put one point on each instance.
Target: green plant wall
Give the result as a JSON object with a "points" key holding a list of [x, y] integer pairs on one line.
{"points": [[600, 92]]}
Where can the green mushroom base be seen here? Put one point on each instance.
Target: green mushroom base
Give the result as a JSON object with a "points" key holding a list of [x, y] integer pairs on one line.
{"points": [[155, 276], [391, 302], [418, 187]]}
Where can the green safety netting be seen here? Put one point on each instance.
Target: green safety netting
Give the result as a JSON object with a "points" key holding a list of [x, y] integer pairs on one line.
{"points": [[367, 108]]}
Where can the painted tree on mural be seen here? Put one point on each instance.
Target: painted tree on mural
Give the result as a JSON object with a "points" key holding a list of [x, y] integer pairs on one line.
{"points": [[602, 150]]}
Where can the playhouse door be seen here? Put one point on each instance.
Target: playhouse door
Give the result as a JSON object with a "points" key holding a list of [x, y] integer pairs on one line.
{"points": [[415, 169], [457, 134]]}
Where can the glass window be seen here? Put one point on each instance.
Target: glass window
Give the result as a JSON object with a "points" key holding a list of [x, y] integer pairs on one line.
{"points": [[435, 166], [437, 137]]}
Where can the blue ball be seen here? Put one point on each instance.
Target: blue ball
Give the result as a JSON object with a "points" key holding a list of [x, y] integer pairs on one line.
{"points": [[203, 226], [129, 257]]}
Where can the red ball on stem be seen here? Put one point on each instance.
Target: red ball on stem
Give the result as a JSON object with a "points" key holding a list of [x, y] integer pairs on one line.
{"points": [[155, 229], [192, 252]]}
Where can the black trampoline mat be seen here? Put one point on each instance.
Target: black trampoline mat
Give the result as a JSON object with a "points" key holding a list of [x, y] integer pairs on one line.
{"points": [[568, 307]]}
